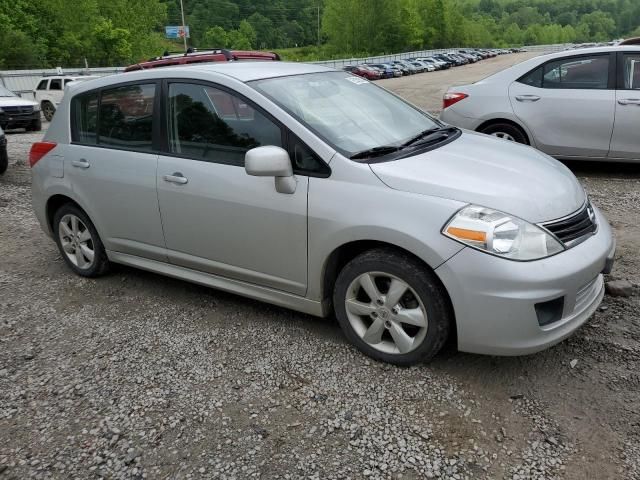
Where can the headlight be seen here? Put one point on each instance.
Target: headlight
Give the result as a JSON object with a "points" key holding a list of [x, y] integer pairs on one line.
{"points": [[500, 234], [36, 108]]}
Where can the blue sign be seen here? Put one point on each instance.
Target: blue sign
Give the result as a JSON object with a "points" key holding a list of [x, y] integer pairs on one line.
{"points": [[176, 31]]}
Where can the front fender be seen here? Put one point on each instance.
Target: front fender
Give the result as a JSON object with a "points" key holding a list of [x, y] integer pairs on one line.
{"points": [[374, 212]]}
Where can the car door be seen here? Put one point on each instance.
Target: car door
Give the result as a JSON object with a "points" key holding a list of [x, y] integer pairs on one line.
{"points": [[216, 217], [568, 105], [111, 166], [624, 142]]}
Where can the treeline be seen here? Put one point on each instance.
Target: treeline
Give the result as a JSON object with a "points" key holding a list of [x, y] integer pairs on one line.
{"points": [[381, 26], [249, 23], [48, 33]]}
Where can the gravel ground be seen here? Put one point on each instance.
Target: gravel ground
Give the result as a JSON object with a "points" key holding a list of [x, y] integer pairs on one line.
{"points": [[136, 376]]}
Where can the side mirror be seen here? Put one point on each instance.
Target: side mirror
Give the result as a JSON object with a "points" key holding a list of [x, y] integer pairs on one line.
{"points": [[271, 161]]}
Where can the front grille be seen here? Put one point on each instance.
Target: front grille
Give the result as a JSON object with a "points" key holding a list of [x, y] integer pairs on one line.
{"points": [[575, 228], [18, 110]]}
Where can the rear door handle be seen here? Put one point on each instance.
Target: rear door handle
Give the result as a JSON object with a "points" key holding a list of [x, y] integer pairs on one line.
{"points": [[177, 177], [629, 101], [527, 98], [82, 163]]}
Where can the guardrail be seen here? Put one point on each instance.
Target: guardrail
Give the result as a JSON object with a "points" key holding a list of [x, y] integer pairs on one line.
{"points": [[24, 82]]}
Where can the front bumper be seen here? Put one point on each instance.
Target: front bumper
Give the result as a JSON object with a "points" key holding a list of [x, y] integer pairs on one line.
{"points": [[494, 299], [18, 120]]}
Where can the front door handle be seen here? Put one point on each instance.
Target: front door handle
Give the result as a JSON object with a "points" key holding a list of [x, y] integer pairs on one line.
{"points": [[527, 98], [629, 101], [82, 163], [177, 177]]}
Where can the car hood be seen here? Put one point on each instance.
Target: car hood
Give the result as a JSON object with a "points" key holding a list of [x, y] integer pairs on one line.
{"points": [[16, 102], [490, 172]]}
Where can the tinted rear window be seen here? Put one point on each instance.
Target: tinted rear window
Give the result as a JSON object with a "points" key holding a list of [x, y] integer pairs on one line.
{"points": [[126, 115], [85, 111]]}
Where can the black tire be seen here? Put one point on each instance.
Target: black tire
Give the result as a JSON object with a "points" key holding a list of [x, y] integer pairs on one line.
{"points": [[100, 264], [4, 160], [514, 131], [421, 280], [36, 125], [48, 110]]}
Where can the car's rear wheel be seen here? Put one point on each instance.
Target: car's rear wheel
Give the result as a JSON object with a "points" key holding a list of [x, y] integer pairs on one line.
{"points": [[48, 110], [392, 307], [79, 242], [506, 131]]}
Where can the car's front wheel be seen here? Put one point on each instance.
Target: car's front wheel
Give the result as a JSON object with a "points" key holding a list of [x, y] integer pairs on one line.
{"points": [[35, 126], [392, 307], [78, 242]]}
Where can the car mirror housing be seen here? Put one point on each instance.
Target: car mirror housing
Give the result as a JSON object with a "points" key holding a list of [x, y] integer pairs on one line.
{"points": [[271, 161]]}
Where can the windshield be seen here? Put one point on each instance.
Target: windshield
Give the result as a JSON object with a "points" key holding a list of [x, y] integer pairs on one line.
{"points": [[6, 93], [348, 112]]}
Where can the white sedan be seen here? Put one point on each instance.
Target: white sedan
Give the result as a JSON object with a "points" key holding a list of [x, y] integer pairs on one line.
{"points": [[582, 104]]}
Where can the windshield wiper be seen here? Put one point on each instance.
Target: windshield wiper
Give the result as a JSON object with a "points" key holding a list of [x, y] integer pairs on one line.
{"points": [[427, 133], [422, 137], [375, 152]]}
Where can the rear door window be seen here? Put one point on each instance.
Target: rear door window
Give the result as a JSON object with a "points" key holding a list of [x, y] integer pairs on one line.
{"points": [[85, 116], [126, 117], [533, 78], [56, 84], [590, 73]]}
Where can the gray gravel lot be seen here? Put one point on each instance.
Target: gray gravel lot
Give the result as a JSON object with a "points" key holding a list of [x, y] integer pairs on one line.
{"points": [[135, 375]]}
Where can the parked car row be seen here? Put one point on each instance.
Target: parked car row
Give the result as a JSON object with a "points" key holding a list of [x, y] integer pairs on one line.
{"points": [[413, 65]]}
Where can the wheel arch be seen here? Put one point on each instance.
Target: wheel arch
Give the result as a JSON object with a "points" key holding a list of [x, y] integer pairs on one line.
{"points": [[54, 203], [344, 253]]}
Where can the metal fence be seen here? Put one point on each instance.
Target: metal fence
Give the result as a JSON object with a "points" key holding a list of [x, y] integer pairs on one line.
{"points": [[24, 82]]}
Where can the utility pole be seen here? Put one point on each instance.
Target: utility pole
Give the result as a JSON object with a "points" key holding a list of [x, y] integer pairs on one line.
{"points": [[318, 24], [184, 28]]}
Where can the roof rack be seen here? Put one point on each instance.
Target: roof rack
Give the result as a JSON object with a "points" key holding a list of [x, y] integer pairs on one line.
{"points": [[192, 51], [192, 55]]}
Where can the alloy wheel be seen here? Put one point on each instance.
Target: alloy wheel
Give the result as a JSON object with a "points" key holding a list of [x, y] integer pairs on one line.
{"points": [[386, 313], [504, 136], [76, 241]]}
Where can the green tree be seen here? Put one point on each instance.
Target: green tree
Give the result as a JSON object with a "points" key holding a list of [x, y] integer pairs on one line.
{"points": [[248, 32], [111, 45], [215, 37]]}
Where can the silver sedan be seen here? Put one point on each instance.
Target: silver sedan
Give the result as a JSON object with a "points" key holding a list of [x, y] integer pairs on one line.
{"points": [[577, 104], [319, 191]]}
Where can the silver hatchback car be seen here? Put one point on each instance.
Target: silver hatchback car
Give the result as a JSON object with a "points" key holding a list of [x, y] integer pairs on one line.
{"points": [[319, 191]]}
